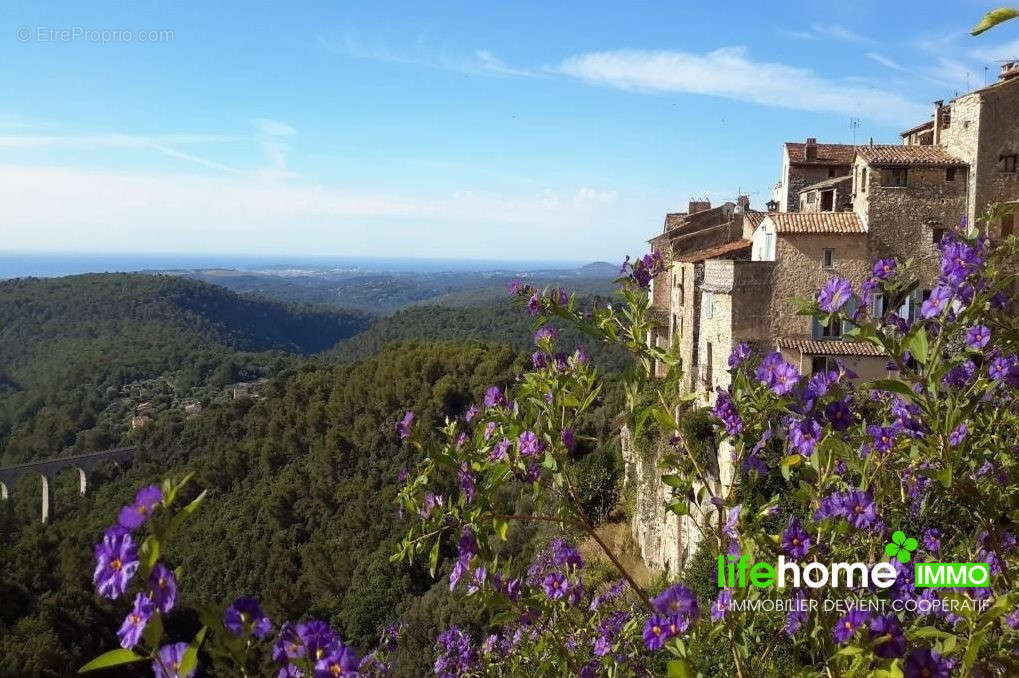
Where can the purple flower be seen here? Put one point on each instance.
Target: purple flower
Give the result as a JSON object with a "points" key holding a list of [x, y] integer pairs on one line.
{"points": [[839, 415], [116, 562], [546, 333], [677, 600], [532, 473], [457, 655], [339, 661], [288, 646], [539, 359], [721, 605], [135, 514], [169, 663], [725, 410], [1012, 619], [431, 502], [244, 617], [739, 355], [777, 374], [490, 429], [657, 631], [318, 639], [925, 663], [931, 539], [883, 437], [529, 444], [978, 336], [957, 435], [471, 412], [466, 479], [886, 634], [468, 544], [403, 426], [494, 397], [999, 367], [834, 295], [569, 442], [795, 540], [163, 586], [534, 304], [797, 616], [134, 624], [580, 355], [936, 302], [885, 269], [555, 585], [860, 510], [804, 435], [847, 627], [646, 268], [500, 450]]}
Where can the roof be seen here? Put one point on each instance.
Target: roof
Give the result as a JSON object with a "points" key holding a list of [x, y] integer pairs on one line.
{"points": [[838, 347], [827, 154], [754, 217], [817, 222], [827, 183], [932, 156], [713, 252], [921, 126]]}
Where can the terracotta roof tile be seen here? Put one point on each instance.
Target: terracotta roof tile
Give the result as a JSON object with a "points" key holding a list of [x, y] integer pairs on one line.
{"points": [[827, 154], [934, 156], [817, 222], [859, 349], [917, 128], [827, 183], [712, 252]]}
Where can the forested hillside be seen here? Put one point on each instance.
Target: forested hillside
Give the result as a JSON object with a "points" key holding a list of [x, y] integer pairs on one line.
{"points": [[300, 509], [69, 346], [500, 321]]}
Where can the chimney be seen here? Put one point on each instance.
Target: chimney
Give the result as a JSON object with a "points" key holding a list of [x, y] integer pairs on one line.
{"points": [[938, 105], [810, 149], [698, 206], [742, 204], [1009, 70]]}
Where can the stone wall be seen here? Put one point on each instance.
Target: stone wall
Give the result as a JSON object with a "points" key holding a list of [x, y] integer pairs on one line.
{"points": [[904, 221], [799, 272], [801, 176]]}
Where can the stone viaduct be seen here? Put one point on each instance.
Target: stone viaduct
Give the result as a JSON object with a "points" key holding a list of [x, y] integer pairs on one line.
{"points": [[47, 469]]}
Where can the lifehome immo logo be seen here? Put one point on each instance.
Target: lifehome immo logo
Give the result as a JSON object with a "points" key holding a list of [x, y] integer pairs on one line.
{"points": [[739, 572]]}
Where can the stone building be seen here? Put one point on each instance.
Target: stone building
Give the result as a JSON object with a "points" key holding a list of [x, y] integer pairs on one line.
{"points": [[734, 273]]}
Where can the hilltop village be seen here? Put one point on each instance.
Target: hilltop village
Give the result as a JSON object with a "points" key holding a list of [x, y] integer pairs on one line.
{"points": [[734, 273]]}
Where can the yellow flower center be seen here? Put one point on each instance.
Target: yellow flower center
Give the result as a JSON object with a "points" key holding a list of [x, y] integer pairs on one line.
{"points": [[115, 564], [657, 630]]}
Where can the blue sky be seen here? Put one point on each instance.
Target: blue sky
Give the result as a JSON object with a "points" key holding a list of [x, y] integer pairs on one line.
{"points": [[525, 130]]}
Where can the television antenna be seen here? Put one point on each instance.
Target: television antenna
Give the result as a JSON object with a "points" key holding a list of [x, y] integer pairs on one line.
{"points": [[854, 124]]}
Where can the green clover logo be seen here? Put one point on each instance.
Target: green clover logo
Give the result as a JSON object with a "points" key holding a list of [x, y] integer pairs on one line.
{"points": [[901, 547]]}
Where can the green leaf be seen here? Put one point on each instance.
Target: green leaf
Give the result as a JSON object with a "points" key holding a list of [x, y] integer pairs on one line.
{"points": [[993, 18], [679, 507], [904, 556], [910, 544], [916, 343], [111, 658], [899, 537], [433, 558], [664, 419], [501, 527], [153, 630], [891, 549], [677, 668], [893, 385], [189, 662]]}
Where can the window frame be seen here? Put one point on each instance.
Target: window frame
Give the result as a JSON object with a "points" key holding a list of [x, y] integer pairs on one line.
{"points": [[828, 258]]}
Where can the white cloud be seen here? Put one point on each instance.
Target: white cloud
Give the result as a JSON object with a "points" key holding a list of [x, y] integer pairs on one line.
{"points": [[839, 32], [118, 211], [888, 63], [729, 72], [481, 62], [999, 52], [273, 128]]}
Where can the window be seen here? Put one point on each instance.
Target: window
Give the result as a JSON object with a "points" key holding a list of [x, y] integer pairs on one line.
{"points": [[832, 331], [828, 200], [822, 363], [769, 247], [709, 367], [950, 174], [863, 181], [1008, 162], [1007, 224], [810, 197], [831, 172], [937, 233], [894, 176], [709, 305], [878, 305], [829, 258]]}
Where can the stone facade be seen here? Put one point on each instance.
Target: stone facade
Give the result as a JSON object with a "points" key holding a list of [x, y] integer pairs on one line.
{"points": [[735, 273]]}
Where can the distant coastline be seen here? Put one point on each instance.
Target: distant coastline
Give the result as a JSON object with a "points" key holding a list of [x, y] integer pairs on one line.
{"points": [[55, 264]]}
